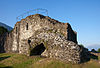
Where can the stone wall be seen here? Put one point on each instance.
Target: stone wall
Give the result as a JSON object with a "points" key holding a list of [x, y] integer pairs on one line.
{"points": [[57, 40], [2, 42], [56, 45], [26, 28], [71, 35]]}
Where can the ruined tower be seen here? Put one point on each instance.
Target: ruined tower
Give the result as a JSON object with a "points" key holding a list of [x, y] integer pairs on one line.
{"points": [[42, 35]]}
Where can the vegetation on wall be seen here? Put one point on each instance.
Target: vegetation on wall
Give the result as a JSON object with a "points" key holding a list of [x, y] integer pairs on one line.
{"points": [[81, 45]]}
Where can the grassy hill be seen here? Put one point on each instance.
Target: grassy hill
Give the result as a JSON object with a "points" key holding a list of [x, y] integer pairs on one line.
{"points": [[22, 61]]}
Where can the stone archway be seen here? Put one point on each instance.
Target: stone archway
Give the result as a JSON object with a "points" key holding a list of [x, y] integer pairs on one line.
{"points": [[38, 49]]}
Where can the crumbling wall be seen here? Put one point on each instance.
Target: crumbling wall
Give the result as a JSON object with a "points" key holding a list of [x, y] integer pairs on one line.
{"points": [[58, 38], [71, 35], [56, 45], [26, 28], [2, 42]]}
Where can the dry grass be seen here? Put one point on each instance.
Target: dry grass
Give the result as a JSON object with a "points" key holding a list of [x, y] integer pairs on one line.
{"points": [[22, 61]]}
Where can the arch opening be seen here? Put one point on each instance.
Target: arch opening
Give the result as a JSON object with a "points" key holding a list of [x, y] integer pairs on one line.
{"points": [[38, 50]]}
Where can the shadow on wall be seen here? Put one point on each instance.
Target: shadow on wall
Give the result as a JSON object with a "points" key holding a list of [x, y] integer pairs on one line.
{"points": [[2, 49], [86, 55], [2, 42], [38, 49]]}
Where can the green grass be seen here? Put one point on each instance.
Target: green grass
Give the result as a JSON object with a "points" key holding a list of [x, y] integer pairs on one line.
{"points": [[17, 60], [22, 61], [99, 57]]}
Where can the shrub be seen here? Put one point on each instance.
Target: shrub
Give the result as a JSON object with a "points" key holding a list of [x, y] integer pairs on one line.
{"points": [[99, 50]]}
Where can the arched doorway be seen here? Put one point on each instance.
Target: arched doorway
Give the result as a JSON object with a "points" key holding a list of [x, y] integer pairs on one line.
{"points": [[38, 50]]}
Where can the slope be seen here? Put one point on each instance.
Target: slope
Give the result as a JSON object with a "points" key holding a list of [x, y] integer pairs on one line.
{"points": [[22, 61]]}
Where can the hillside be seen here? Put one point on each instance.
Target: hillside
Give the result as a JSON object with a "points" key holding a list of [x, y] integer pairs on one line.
{"points": [[3, 30], [22, 61], [6, 26], [95, 46]]}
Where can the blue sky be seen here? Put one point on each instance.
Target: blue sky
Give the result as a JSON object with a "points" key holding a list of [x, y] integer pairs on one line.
{"points": [[83, 15]]}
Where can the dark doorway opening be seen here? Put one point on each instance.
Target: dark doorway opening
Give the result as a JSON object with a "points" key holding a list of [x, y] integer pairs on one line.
{"points": [[38, 50]]}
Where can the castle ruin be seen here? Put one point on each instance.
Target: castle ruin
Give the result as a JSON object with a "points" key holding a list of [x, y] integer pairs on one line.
{"points": [[42, 35]]}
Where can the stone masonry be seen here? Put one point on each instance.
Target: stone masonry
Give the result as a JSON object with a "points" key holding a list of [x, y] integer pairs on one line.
{"points": [[41, 35]]}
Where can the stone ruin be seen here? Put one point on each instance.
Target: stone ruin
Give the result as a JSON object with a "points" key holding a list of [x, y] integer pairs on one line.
{"points": [[42, 35]]}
